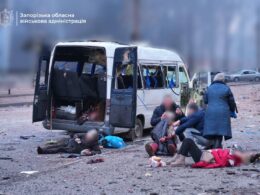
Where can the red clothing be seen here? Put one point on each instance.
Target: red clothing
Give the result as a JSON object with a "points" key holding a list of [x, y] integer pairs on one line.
{"points": [[222, 158]]}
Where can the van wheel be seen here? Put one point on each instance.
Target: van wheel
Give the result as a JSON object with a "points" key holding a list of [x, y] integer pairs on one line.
{"points": [[136, 132], [257, 79]]}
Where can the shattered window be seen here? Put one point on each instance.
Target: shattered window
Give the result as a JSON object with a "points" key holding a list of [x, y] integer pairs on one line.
{"points": [[182, 75], [171, 77], [124, 71], [68, 66], [153, 76]]}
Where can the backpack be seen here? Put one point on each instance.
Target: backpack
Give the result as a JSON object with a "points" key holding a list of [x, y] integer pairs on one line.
{"points": [[111, 141]]}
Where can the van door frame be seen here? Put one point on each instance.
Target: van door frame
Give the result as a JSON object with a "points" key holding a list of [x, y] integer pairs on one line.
{"points": [[123, 101], [40, 101], [184, 102]]}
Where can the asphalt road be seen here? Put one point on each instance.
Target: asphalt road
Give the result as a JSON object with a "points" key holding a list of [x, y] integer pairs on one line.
{"points": [[123, 171]]}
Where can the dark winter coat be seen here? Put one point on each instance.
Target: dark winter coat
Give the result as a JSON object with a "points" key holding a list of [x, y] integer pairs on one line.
{"points": [[196, 121], [69, 145], [158, 112], [220, 101]]}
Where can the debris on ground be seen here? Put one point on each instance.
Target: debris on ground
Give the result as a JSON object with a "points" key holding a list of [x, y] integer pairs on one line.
{"points": [[5, 178], [96, 160], [148, 175], [254, 170], [29, 172], [70, 155], [131, 169], [231, 172], [25, 137], [6, 158], [155, 161]]}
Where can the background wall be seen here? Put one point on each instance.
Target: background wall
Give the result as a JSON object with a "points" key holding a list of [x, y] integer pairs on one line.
{"points": [[221, 34]]}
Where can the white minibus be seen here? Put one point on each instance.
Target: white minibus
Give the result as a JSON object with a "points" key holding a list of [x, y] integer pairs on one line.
{"points": [[105, 85]]}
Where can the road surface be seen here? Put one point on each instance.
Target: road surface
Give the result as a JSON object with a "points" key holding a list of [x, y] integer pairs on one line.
{"points": [[124, 171]]}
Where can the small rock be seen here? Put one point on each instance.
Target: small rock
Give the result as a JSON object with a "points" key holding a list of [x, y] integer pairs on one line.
{"points": [[254, 175], [148, 174], [231, 172], [112, 182]]}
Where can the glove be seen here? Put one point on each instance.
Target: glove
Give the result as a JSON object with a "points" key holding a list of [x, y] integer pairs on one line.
{"points": [[233, 115]]}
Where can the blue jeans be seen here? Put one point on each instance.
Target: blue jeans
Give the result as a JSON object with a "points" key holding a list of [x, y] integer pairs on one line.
{"points": [[197, 137]]}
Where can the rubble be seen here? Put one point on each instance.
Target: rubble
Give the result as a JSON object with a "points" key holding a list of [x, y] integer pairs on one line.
{"points": [[126, 169]]}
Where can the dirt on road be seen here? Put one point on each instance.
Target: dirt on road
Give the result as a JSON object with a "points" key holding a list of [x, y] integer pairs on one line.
{"points": [[124, 171]]}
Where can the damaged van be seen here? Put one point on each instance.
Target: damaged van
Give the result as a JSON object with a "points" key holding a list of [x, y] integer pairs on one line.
{"points": [[106, 85]]}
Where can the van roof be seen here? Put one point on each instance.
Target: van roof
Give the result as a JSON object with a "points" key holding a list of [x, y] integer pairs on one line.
{"points": [[144, 53]]}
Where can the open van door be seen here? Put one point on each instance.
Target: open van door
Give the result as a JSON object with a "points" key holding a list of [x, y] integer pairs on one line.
{"points": [[123, 89], [40, 100]]}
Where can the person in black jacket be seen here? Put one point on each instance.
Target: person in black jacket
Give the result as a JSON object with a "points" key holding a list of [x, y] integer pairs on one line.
{"points": [[86, 142], [168, 105], [192, 125]]}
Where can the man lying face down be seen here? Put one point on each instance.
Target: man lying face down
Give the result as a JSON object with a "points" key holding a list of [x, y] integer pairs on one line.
{"points": [[83, 143]]}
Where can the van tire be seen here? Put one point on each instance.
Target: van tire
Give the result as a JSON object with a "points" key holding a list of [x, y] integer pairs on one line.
{"points": [[136, 132]]}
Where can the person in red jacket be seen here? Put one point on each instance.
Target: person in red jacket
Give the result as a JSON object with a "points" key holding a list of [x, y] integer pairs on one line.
{"points": [[213, 158]]}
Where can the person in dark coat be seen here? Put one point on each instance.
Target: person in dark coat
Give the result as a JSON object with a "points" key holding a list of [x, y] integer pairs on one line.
{"points": [[220, 107], [85, 144], [192, 126], [168, 105], [195, 119]]}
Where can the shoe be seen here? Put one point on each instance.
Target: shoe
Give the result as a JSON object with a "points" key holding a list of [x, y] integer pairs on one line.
{"points": [[149, 149], [39, 150], [172, 149]]}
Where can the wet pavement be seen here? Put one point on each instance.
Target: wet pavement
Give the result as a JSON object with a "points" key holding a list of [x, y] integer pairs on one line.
{"points": [[123, 171]]}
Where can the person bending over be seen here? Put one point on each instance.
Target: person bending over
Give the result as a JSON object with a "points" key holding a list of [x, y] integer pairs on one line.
{"points": [[168, 105], [214, 158], [192, 125], [84, 144]]}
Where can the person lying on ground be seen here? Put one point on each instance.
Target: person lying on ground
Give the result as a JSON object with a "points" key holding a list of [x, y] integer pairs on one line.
{"points": [[84, 144], [164, 138], [192, 125], [214, 158], [168, 105]]}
